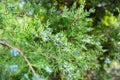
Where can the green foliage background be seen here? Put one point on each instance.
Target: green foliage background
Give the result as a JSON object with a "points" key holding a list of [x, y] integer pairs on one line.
{"points": [[61, 39]]}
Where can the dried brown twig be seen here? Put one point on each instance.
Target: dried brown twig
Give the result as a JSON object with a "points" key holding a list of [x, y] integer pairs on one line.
{"points": [[21, 53]]}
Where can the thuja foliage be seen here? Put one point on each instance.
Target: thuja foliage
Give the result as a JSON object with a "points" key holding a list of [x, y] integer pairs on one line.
{"points": [[44, 42]]}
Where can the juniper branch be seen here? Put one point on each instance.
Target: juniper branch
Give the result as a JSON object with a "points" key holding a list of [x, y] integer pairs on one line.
{"points": [[21, 52]]}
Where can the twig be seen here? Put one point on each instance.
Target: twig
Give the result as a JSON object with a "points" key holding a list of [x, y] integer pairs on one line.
{"points": [[76, 19], [5, 44], [25, 58]]}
